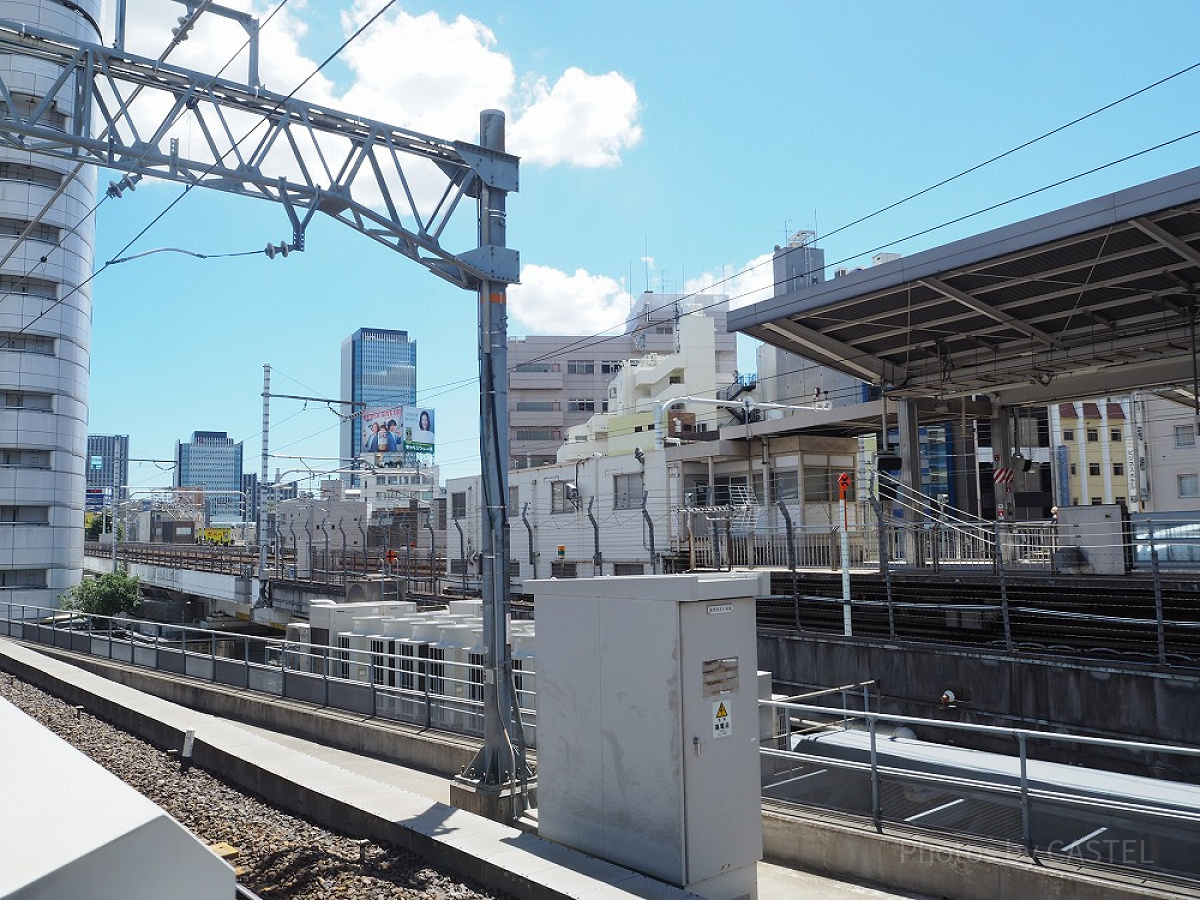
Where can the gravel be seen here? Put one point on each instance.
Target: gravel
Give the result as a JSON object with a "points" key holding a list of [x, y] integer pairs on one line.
{"points": [[281, 857]]}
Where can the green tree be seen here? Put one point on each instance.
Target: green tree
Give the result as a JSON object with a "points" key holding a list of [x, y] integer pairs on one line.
{"points": [[97, 524], [105, 595]]}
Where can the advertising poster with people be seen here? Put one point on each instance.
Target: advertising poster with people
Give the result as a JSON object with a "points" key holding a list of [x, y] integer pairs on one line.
{"points": [[418, 430], [390, 432]]}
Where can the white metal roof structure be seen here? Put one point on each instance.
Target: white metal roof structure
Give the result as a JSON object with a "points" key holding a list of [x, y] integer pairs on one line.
{"points": [[1090, 299], [72, 829]]}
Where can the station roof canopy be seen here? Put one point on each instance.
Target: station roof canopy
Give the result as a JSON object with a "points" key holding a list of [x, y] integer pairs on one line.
{"points": [[1084, 301]]}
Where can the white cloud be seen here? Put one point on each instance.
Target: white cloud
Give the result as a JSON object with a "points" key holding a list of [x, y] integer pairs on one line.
{"points": [[549, 301], [582, 120], [744, 284], [419, 72], [424, 73]]}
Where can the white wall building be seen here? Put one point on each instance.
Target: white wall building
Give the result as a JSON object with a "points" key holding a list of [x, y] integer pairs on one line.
{"points": [[598, 500], [45, 332], [644, 381], [556, 382]]}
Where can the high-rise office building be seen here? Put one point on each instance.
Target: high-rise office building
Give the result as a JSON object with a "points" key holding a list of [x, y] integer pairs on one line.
{"points": [[107, 469], [46, 237], [556, 382], [212, 462], [785, 377], [379, 370]]}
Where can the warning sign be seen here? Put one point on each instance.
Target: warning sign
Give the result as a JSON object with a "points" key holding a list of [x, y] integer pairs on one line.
{"points": [[721, 726]]}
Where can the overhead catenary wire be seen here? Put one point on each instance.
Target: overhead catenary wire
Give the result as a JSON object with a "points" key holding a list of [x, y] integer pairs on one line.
{"points": [[109, 195], [468, 382]]}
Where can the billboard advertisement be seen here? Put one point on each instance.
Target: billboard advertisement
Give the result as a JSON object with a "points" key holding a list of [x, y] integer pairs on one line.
{"points": [[418, 429], [397, 429]]}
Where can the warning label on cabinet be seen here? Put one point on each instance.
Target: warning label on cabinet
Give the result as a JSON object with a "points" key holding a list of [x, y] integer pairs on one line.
{"points": [[721, 725]]}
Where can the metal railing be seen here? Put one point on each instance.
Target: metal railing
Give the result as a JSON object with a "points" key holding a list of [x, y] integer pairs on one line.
{"points": [[1016, 803], [871, 765], [420, 683]]}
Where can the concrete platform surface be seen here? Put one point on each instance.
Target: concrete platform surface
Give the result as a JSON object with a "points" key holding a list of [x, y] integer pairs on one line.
{"points": [[381, 800]]}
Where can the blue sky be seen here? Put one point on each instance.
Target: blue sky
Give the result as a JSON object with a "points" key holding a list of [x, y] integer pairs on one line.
{"points": [[696, 134]]}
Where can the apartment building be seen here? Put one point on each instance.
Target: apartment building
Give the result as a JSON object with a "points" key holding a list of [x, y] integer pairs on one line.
{"points": [[556, 382]]}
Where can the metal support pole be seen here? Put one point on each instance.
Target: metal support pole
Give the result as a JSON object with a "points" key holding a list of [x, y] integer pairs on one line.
{"points": [[432, 555], [597, 556], [847, 628], [1160, 627], [532, 548], [262, 485], [885, 565], [462, 554], [650, 529], [791, 555], [876, 805], [1008, 641], [502, 756], [1026, 807]]}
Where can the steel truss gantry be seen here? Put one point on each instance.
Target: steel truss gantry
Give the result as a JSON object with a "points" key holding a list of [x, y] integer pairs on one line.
{"points": [[307, 157], [371, 176]]}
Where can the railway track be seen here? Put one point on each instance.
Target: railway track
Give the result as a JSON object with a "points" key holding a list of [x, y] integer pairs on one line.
{"points": [[1106, 618]]}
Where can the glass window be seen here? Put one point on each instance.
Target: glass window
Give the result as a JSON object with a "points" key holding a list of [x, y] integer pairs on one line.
{"points": [[784, 486], [1093, 435], [1073, 469], [458, 505], [1115, 435], [562, 494], [29, 459], [26, 343], [536, 434], [581, 367], [1118, 468], [627, 491], [1185, 436], [581, 404], [1068, 434], [1189, 485], [24, 515], [27, 399], [22, 578], [820, 484], [1094, 469]]}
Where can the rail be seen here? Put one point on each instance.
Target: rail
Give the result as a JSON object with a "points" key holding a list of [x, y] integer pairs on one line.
{"points": [[331, 568]]}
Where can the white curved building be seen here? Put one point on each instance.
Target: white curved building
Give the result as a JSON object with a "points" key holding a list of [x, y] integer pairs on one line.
{"points": [[45, 332]]}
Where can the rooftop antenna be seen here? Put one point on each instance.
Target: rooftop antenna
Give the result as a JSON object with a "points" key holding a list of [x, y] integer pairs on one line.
{"points": [[646, 264]]}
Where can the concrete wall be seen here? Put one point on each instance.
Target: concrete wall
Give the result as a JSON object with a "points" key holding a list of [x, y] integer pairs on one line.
{"points": [[992, 689]]}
